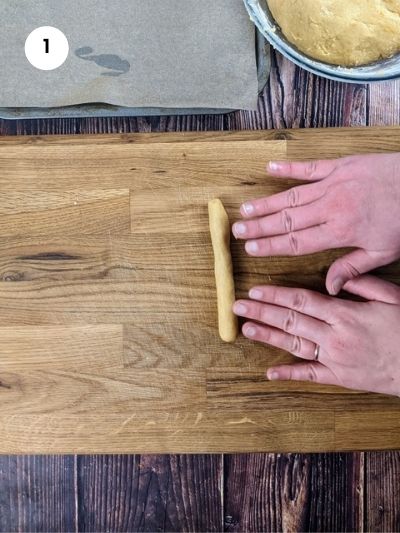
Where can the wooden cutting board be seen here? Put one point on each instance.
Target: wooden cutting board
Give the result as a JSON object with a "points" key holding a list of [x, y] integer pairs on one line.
{"points": [[108, 321]]}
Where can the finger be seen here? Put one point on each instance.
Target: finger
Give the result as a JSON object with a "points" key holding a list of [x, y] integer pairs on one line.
{"points": [[286, 320], [274, 337], [295, 197], [303, 301], [309, 170], [374, 289], [349, 267], [292, 219], [303, 242], [315, 372]]}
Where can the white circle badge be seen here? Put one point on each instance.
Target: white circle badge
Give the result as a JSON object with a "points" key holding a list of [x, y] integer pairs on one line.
{"points": [[46, 48]]}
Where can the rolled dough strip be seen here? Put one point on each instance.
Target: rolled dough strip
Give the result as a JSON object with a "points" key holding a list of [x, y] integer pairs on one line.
{"points": [[221, 235]]}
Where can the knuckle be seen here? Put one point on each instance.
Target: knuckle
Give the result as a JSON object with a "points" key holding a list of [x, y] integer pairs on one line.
{"points": [[312, 374], [257, 312], [290, 373], [289, 323], [311, 169], [273, 294], [294, 244], [296, 345], [299, 301], [293, 197], [352, 271], [287, 221]]}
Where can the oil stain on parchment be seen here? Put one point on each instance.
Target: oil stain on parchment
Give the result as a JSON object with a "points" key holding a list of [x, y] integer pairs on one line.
{"points": [[115, 65]]}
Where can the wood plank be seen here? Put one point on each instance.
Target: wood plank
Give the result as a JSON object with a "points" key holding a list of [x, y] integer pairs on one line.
{"points": [[37, 494], [357, 431], [150, 493], [107, 301], [199, 348], [382, 491], [122, 162], [296, 99], [77, 348], [159, 163], [198, 429], [184, 209], [67, 213], [321, 492], [384, 104], [241, 388], [369, 141], [109, 392]]}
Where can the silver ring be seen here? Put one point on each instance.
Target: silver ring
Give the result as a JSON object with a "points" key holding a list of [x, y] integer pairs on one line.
{"points": [[316, 353]]}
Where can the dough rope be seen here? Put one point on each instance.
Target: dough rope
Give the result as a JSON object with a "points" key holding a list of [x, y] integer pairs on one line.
{"points": [[220, 230]]}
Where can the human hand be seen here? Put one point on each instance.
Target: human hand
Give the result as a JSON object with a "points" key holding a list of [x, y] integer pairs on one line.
{"points": [[351, 202], [351, 344]]}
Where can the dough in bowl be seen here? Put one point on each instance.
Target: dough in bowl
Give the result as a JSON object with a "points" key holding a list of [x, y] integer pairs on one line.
{"points": [[341, 32]]}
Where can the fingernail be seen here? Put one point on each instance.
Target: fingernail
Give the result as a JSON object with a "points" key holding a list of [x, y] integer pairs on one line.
{"points": [[250, 331], [337, 285], [239, 228], [255, 294], [252, 247], [273, 376], [248, 208], [240, 309], [275, 166]]}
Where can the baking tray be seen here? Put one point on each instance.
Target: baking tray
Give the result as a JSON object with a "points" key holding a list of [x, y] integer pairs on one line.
{"points": [[106, 110]]}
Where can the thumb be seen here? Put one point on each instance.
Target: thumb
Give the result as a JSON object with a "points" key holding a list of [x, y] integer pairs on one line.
{"points": [[309, 171], [349, 267], [374, 289]]}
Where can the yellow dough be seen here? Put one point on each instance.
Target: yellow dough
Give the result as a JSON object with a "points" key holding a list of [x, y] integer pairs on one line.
{"points": [[220, 230], [341, 32]]}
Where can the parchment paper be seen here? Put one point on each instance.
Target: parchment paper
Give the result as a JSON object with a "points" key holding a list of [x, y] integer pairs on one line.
{"points": [[136, 53]]}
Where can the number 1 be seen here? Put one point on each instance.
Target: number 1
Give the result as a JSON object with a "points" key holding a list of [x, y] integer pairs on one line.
{"points": [[47, 48]]}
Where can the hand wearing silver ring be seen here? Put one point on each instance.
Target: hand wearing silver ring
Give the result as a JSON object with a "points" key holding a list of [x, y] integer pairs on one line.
{"points": [[340, 341]]}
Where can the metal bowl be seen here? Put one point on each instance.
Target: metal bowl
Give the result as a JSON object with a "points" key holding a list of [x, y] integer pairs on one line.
{"points": [[384, 70]]}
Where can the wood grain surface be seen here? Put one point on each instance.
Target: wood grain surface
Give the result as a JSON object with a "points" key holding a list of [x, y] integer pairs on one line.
{"points": [[42, 493], [163, 381], [294, 492]]}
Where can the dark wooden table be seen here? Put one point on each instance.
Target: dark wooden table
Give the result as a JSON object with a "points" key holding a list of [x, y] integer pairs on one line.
{"points": [[321, 492]]}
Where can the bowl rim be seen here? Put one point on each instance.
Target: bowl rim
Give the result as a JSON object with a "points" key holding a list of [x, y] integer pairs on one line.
{"points": [[271, 31]]}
